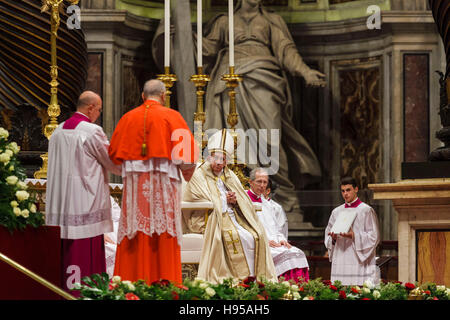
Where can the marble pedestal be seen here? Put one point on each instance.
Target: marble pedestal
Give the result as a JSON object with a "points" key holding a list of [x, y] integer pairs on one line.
{"points": [[423, 205]]}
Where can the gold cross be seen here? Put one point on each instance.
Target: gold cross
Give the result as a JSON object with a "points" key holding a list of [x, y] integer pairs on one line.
{"points": [[233, 241]]}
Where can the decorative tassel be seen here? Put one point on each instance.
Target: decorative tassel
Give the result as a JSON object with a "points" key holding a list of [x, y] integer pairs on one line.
{"points": [[144, 150]]}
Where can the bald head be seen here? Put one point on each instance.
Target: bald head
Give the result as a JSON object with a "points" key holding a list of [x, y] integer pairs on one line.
{"points": [[154, 89], [87, 98], [90, 104]]}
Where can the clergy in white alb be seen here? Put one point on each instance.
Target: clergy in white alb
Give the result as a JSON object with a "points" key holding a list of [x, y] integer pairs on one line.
{"points": [[235, 244], [78, 198], [277, 209], [352, 253], [290, 262]]}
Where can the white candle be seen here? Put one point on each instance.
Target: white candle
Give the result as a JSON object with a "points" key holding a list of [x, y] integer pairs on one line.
{"points": [[231, 32], [167, 33], [199, 34]]}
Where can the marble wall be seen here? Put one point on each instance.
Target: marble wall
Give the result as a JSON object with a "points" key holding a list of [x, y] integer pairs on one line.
{"points": [[416, 107]]}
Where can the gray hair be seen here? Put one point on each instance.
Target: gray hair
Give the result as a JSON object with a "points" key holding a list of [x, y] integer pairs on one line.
{"points": [[253, 173], [153, 88]]}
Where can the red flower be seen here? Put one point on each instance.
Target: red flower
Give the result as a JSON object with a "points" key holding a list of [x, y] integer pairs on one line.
{"points": [[435, 298], [427, 292], [342, 294], [249, 280], [326, 282], [409, 286], [260, 284], [365, 299], [354, 290], [156, 283], [175, 295], [399, 282], [244, 285], [165, 282], [111, 287], [301, 289], [260, 297], [161, 283], [333, 287], [131, 296]]}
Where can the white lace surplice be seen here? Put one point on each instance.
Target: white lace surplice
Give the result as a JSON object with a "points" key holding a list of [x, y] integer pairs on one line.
{"points": [[77, 185], [151, 200]]}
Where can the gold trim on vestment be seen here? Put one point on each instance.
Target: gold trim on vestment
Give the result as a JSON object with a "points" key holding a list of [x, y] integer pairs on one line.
{"points": [[240, 219], [223, 139], [237, 260]]}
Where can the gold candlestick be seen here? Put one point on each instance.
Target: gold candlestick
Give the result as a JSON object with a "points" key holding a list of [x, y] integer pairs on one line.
{"points": [[200, 81], [168, 79], [232, 81], [53, 108]]}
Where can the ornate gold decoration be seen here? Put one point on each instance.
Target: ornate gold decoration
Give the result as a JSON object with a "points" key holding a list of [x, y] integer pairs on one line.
{"points": [[416, 294], [168, 79], [232, 81], [288, 296], [200, 81], [53, 108], [189, 271], [233, 241]]}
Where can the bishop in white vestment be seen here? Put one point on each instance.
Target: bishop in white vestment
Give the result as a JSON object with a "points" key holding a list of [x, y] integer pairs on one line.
{"points": [[290, 262]]}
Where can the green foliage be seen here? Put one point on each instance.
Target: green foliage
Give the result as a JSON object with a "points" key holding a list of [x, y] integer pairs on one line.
{"points": [[17, 208], [100, 287]]}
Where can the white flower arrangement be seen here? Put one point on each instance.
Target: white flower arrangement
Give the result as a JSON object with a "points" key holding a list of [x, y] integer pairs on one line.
{"points": [[17, 210]]}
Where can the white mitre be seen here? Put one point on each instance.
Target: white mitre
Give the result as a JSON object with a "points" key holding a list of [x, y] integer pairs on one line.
{"points": [[221, 141]]}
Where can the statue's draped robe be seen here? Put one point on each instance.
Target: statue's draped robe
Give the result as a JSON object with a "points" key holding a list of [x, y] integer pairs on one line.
{"points": [[264, 50], [222, 257]]}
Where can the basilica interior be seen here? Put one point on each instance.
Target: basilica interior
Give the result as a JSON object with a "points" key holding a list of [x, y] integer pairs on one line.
{"points": [[379, 108]]}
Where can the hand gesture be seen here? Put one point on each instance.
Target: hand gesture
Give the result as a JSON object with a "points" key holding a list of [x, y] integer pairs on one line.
{"points": [[231, 198], [333, 235], [285, 243], [108, 239], [274, 244], [314, 78], [348, 234]]}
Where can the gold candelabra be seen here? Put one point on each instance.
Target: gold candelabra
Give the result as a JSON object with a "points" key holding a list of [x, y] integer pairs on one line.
{"points": [[200, 81], [168, 79], [53, 109], [232, 81]]}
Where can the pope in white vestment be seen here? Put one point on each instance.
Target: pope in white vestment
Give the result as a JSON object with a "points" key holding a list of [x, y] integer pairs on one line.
{"points": [[235, 244], [352, 254]]}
